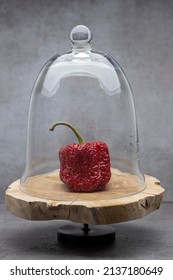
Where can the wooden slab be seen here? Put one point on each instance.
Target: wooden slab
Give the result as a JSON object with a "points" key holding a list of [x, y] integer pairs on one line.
{"points": [[50, 186], [89, 211]]}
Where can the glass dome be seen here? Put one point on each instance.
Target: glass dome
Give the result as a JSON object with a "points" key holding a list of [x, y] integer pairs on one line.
{"points": [[87, 91]]}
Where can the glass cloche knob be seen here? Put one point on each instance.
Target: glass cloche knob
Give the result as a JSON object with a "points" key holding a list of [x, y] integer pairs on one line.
{"points": [[80, 36]]}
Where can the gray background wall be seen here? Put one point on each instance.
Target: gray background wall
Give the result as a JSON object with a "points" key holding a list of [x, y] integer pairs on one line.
{"points": [[137, 33]]}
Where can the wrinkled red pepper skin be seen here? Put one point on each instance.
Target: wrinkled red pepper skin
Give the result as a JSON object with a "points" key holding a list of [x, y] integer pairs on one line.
{"points": [[85, 167]]}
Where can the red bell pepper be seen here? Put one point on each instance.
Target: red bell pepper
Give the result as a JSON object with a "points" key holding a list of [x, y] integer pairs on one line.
{"points": [[84, 167]]}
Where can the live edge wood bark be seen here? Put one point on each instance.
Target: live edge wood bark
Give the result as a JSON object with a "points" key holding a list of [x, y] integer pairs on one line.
{"points": [[104, 211]]}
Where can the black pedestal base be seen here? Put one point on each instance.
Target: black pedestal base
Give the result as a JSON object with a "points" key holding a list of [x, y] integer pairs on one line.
{"points": [[78, 233]]}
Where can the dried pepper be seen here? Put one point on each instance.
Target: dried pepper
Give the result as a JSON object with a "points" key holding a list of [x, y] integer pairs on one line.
{"points": [[84, 167]]}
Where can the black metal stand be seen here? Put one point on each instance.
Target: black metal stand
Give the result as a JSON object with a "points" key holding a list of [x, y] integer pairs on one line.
{"points": [[75, 233]]}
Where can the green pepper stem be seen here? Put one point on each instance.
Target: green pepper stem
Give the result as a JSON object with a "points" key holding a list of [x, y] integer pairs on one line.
{"points": [[76, 132]]}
